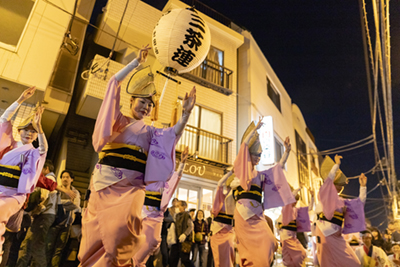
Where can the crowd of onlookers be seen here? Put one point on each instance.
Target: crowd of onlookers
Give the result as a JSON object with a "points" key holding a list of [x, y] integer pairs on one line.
{"points": [[47, 230], [386, 244], [185, 238]]}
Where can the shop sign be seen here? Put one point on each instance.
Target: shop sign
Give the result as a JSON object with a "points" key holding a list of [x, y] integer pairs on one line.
{"points": [[202, 170], [266, 133]]}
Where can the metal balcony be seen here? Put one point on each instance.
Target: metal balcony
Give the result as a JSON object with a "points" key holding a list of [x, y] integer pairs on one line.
{"points": [[212, 75], [207, 147]]}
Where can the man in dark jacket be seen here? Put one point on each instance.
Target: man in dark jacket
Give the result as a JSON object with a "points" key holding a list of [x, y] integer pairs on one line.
{"points": [[183, 230]]}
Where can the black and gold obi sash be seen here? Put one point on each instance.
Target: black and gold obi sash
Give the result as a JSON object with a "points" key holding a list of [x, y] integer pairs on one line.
{"points": [[224, 218], [125, 156], [292, 226], [254, 193], [338, 218], [153, 199], [9, 175]]}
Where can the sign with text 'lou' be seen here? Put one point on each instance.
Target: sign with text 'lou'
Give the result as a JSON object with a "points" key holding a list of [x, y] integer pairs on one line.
{"points": [[266, 133]]}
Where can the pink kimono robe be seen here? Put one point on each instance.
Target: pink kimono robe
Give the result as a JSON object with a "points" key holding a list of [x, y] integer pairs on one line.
{"points": [[153, 219], [223, 237], [31, 163], [112, 224], [293, 252], [332, 249], [254, 237]]}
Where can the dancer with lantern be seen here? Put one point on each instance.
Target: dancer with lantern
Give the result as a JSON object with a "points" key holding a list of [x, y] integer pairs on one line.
{"points": [[130, 155], [20, 162], [337, 215], [255, 241]]}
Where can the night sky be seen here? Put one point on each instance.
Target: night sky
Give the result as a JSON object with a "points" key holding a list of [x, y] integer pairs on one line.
{"points": [[315, 47]]}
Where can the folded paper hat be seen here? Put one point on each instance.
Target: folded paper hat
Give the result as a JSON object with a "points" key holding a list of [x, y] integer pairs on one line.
{"points": [[141, 84], [326, 166], [28, 120], [254, 144]]}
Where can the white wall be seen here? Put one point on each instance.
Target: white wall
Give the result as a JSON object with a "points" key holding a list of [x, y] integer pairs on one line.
{"points": [[33, 62]]}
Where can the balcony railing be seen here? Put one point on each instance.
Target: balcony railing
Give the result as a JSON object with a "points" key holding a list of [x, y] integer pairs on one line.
{"points": [[207, 146], [212, 75]]}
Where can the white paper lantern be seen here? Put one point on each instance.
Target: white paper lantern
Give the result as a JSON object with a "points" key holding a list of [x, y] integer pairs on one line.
{"points": [[181, 39]]}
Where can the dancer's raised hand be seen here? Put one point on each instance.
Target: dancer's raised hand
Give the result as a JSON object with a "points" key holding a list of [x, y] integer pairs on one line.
{"points": [[143, 53], [363, 180], [26, 94], [189, 101]]}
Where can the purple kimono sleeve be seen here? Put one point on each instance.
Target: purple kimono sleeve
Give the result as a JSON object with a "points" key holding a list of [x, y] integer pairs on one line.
{"points": [[303, 220], [31, 171], [277, 191], [354, 218], [161, 158]]}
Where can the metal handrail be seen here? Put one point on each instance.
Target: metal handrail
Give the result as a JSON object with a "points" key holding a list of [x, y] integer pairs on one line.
{"points": [[206, 144]]}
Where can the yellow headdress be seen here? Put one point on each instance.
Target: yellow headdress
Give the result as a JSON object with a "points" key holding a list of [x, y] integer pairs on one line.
{"points": [[254, 143], [28, 120], [141, 84], [326, 166]]}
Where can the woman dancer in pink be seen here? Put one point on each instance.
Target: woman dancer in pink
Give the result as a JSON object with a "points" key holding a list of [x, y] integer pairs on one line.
{"points": [[293, 220], [334, 212], [130, 155], [20, 163], [255, 241], [153, 214], [223, 235]]}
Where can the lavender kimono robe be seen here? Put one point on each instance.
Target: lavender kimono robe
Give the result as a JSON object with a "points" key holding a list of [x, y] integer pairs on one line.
{"points": [[222, 240], [112, 224], [31, 163], [254, 237]]}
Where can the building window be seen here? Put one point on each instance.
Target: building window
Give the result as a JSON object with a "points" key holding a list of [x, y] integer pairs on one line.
{"points": [[274, 95], [212, 69], [278, 150], [304, 178], [14, 17], [203, 135]]}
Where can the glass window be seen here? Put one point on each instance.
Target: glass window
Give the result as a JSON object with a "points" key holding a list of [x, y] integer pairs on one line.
{"points": [[212, 68], [302, 163], [206, 202], [278, 150], [182, 194], [14, 15], [274, 94], [203, 134]]}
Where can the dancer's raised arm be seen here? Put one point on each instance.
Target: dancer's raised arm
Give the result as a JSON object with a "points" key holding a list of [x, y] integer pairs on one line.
{"points": [[187, 106]]}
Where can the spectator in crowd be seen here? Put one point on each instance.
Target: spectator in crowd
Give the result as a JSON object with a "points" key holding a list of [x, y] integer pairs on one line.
{"points": [[396, 232], [201, 231], [34, 244], [377, 239], [168, 219], [370, 255], [173, 210], [395, 256], [387, 246], [192, 213], [183, 231], [390, 228], [59, 234]]}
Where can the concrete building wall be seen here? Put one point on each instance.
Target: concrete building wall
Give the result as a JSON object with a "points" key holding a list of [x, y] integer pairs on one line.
{"points": [[32, 62]]}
